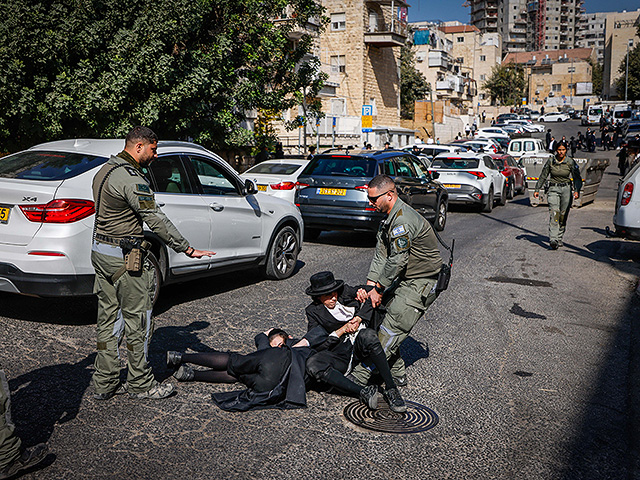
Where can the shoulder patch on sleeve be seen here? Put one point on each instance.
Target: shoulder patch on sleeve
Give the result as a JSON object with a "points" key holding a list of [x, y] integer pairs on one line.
{"points": [[399, 230], [132, 171], [146, 203], [143, 188], [402, 244]]}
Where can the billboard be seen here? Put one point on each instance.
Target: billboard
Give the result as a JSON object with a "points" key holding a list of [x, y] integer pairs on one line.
{"points": [[584, 88]]}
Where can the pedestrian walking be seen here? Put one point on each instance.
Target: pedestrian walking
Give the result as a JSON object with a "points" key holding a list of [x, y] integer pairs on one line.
{"points": [[565, 183], [124, 279], [404, 270]]}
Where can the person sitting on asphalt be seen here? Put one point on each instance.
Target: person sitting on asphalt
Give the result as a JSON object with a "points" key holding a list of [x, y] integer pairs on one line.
{"points": [[336, 309], [274, 373]]}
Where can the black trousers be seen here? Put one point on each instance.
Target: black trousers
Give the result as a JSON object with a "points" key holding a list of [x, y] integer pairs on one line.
{"points": [[261, 370], [365, 346]]}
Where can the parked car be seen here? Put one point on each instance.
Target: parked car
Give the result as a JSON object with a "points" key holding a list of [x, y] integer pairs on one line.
{"points": [[492, 132], [630, 129], [515, 175], [483, 145], [513, 130], [553, 117], [528, 125], [519, 146], [506, 116], [48, 214], [626, 218], [277, 177], [471, 178], [332, 190], [433, 150]]}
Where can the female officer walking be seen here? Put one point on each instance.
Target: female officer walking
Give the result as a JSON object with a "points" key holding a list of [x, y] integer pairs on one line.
{"points": [[563, 171]]}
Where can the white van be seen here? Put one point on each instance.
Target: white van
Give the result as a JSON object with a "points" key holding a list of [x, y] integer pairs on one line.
{"points": [[520, 146], [592, 115]]}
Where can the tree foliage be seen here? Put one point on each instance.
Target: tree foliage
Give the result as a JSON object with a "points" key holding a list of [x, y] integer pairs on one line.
{"points": [[633, 85], [189, 69], [507, 84], [596, 77], [413, 84]]}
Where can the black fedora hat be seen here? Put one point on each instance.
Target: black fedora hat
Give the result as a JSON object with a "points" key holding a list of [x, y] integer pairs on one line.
{"points": [[323, 283]]}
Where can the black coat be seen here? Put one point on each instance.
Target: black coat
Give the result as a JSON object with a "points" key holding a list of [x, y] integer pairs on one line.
{"points": [[290, 392]]}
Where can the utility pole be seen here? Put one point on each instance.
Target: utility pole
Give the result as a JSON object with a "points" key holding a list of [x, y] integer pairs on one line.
{"points": [[626, 77]]}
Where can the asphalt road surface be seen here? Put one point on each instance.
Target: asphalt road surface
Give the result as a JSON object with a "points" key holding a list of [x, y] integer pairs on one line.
{"points": [[530, 360]]}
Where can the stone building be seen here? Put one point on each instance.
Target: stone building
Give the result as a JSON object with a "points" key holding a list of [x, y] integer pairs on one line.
{"points": [[557, 77], [530, 25], [592, 34], [620, 34]]}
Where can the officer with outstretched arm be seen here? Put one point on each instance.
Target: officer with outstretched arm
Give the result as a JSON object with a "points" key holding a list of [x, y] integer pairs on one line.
{"points": [[124, 277]]}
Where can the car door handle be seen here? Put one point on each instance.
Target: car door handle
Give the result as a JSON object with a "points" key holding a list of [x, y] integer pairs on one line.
{"points": [[216, 207]]}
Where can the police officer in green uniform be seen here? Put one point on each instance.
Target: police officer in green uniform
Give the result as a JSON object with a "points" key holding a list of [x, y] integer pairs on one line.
{"points": [[564, 174], [124, 201], [406, 264], [13, 458]]}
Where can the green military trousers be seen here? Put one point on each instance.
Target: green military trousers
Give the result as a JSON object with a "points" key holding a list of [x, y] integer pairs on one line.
{"points": [[407, 303], [560, 199], [124, 308], [9, 442]]}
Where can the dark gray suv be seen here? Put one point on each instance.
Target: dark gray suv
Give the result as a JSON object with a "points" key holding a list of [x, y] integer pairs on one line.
{"points": [[332, 190]]}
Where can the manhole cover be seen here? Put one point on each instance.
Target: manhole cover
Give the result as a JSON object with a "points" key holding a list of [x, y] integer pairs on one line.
{"points": [[417, 418]]}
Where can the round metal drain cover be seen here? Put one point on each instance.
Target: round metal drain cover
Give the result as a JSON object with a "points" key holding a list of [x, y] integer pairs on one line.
{"points": [[417, 418]]}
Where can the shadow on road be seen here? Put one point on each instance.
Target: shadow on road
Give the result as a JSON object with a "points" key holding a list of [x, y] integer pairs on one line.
{"points": [[50, 395], [58, 310], [413, 350], [342, 238]]}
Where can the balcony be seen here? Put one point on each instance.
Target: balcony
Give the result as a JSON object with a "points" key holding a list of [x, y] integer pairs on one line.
{"points": [[312, 26], [386, 34], [438, 58]]}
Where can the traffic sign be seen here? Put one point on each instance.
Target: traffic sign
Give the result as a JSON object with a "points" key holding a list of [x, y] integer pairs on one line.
{"points": [[367, 110]]}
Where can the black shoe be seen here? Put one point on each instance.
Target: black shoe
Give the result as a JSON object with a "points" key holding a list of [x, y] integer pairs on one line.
{"points": [[184, 373], [400, 381], [29, 458], [174, 359], [553, 245], [369, 396], [395, 401], [121, 389]]}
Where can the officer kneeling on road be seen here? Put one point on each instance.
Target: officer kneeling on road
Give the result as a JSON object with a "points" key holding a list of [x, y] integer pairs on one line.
{"points": [[124, 278]]}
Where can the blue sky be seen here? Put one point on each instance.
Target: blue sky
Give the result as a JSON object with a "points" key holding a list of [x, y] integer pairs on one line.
{"points": [[453, 9]]}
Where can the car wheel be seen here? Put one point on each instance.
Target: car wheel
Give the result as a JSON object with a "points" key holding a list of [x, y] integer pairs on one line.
{"points": [[283, 254], [559, 120], [511, 190], [503, 196], [488, 205], [441, 216], [156, 281], [312, 233]]}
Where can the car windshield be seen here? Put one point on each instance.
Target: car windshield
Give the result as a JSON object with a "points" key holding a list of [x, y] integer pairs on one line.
{"points": [[274, 168], [44, 165], [341, 166], [461, 163]]}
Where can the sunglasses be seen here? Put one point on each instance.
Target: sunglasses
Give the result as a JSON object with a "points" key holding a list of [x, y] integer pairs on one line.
{"points": [[375, 199]]}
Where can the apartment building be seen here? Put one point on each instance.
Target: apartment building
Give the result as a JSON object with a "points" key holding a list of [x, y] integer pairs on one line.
{"points": [[620, 35], [557, 77], [443, 65], [528, 25], [592, 34]]}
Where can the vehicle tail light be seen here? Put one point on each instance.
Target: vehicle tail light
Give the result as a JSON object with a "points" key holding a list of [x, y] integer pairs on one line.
{"points": [[59, 211], [283, 186], [362, 187], [300, 185], [479, 175], [626, 194], [44, 253]]}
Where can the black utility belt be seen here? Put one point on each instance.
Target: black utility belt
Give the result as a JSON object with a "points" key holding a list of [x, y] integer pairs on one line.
{"points": [[559, 184], [118, 242]]}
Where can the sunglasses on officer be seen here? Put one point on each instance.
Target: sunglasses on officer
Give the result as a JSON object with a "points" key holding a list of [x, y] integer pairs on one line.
{"points": [[375, 198]]}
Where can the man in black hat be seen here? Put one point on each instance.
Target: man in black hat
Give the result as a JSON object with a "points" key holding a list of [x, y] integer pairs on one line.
{"points": [[335, 308]]}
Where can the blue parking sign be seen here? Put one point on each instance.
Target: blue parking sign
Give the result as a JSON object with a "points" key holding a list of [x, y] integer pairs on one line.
{"points": [[367, 110]]}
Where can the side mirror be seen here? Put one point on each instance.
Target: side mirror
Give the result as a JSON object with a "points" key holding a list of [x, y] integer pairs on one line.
{"points": [[250, 187], [435, 175]]}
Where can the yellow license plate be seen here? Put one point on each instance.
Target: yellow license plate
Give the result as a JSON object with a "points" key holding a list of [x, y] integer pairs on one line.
{"points": [[262, 188], [332, 191], [452, 185], [4, 214]]}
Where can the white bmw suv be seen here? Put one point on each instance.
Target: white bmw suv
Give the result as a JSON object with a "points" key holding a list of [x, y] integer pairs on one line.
{"points": [[47, 216]]}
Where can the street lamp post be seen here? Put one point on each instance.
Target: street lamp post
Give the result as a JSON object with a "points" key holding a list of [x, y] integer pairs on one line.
{"points": [[626, 76]]}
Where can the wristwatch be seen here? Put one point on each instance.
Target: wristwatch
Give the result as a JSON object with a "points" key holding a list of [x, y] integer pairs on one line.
{"points": [[379, 289]]}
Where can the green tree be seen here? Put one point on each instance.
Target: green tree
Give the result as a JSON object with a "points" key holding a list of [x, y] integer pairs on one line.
{"points": [[413, 85], [187, 68], [507, 84], [633, 85], [596, 77]]}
